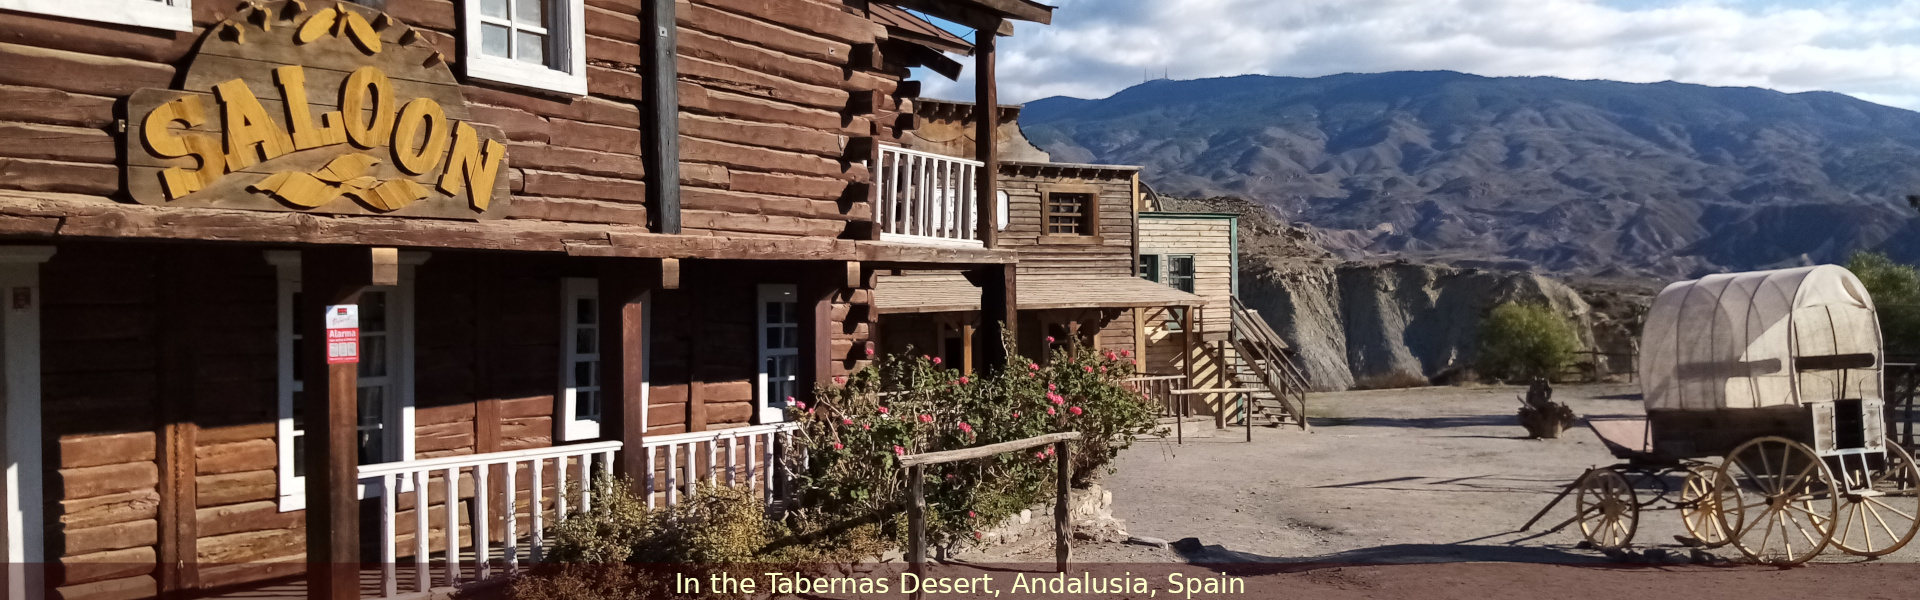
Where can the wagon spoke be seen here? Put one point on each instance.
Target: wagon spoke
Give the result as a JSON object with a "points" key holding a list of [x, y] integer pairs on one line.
{"points": [[1751, 476], [1811, 543], [1891, 508]]}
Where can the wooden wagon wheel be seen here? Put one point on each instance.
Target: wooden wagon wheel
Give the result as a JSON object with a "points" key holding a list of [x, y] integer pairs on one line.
{"points": [[1608, 510], [1710, 512], [1786, 497], [1883, 518]]}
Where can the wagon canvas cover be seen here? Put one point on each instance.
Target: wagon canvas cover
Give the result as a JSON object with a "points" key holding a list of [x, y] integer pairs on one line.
{"points": [[1736, 341]]}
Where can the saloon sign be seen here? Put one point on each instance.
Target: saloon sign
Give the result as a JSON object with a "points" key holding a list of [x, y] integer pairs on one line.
{"points": [[333, 110]]}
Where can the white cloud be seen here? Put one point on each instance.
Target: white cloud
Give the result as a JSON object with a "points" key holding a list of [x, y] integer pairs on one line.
{"points": [[1097, 47]]}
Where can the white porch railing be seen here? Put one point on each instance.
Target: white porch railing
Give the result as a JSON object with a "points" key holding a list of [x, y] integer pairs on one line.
{"points": [[414, 480], [926, 198], [732, 457]]}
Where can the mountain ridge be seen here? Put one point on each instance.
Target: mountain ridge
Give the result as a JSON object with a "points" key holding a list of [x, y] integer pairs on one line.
{"points": [[1580, 177]]}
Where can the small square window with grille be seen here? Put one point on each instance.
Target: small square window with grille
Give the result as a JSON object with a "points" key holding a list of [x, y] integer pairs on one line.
{"points": [[1069, 213]]}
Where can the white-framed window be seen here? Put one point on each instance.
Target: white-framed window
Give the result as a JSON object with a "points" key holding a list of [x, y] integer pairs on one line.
{"points": [[386, 421], [779, 325], [581, 401], [529, 43], [172, 15]]}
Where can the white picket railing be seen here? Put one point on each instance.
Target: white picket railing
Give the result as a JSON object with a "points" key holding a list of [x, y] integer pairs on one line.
{"points": [[926, 198], [732, 457], [417, 476]]}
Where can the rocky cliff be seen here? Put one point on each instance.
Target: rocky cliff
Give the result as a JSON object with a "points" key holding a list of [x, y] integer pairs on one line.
{"points": [[1395, 324]]}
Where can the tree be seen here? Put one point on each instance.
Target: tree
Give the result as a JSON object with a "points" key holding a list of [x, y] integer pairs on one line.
{"points": [[1524, 341], [1895, 288]]}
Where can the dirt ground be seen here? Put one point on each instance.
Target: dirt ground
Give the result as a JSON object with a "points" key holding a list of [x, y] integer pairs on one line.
{"points": [[1420, 493]]}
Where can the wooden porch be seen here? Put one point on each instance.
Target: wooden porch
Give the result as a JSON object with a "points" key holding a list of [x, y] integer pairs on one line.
{"points": [[521, 494]]}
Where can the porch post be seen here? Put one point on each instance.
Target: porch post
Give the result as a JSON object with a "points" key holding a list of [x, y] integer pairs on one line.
{"points": [[333, 277], [999, 314], [623, 289], [816, 327], [986, 122]]}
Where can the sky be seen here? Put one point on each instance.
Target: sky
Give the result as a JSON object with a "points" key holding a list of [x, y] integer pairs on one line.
{"points": [[1869, 49]]}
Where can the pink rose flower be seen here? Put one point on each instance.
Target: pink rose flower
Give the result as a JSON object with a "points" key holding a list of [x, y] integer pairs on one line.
{"points": [[1075, 410], [976, 535], [846, 421], [838, 446], [1049, 450], [883, 410], [898, 451], [1049, 410], [970, 515], [936, 360], [1103, 368], [1033, 366], [869, 351], [1055, 398], [963, 381], [1051, 388], [1110, 355], [926, 418], [1126, 353], [1040, 455], [1016, 414], [1089, 368], [796, 403], [839, 380], [866, 427]]}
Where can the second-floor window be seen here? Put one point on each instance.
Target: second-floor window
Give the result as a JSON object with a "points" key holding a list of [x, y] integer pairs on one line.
{"points": [[538, 44], [174, 15], [1180, 272], [1070, 213]]}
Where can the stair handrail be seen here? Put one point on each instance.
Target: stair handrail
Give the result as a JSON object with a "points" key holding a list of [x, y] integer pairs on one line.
{"points": [[1263, 345]]}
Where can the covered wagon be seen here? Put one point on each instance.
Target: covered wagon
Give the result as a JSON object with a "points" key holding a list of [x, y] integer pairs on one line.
{"points": [[1777, 375]]}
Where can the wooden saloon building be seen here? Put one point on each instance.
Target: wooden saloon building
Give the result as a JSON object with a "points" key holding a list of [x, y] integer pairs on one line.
{"points": [[343, 296]]}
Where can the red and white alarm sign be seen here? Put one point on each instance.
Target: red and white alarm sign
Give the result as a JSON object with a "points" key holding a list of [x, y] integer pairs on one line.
{"points": [[343, 334]]}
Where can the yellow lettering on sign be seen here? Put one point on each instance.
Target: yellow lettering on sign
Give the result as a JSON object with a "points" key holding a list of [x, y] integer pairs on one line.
{"points": [[293, 86], [353, 104], [248, 127], [418, 114], [478, 163], [159, 135]]}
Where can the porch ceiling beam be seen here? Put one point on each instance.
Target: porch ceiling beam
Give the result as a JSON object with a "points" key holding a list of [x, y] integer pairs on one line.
{"points": [[44, 216]]}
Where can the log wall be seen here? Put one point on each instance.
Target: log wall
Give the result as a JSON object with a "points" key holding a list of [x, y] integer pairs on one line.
{"points": [[775, 118]]}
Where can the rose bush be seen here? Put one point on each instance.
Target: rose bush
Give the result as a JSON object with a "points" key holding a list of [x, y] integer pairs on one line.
{"points": [[853, 435]]}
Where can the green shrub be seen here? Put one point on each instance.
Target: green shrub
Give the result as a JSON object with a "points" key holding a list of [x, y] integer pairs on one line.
{"points": [[1524, 341], [622, 550], [1895, 288]]}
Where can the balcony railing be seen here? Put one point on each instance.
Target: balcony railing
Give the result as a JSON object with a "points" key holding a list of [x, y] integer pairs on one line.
{"points": [[731, 457], [926, 198]]}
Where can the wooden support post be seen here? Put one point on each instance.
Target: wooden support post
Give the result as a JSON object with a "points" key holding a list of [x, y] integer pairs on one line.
{"points": [[1186, 348], [916, 523], [331, 277], [178, 522], [623, 289], [816, 303], [999, 311], [662, 110], [1061, 523], [986, 121]]}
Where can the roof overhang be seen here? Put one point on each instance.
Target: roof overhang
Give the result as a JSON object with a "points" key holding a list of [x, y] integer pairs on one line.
{"points": [[983, 15], [952, 293]]}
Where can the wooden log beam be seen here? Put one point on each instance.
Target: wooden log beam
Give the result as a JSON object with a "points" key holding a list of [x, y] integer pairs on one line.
{"points": [[1063, 479], [661, 115], [331, 277]]}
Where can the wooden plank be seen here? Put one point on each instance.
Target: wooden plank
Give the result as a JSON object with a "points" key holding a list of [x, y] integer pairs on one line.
{"points": [[989, 450], [48, 106], [662, 106], [80, 72], [57, 142]]}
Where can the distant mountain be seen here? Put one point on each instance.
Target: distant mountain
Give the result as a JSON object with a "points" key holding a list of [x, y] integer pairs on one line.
{"points": [[1578, 177]]}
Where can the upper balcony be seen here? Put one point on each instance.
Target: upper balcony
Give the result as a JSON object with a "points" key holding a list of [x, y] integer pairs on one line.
{"points": [[926, 198]]}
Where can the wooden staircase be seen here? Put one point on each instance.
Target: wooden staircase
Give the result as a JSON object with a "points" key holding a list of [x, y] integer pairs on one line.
{"points": [[1260, 360]]}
